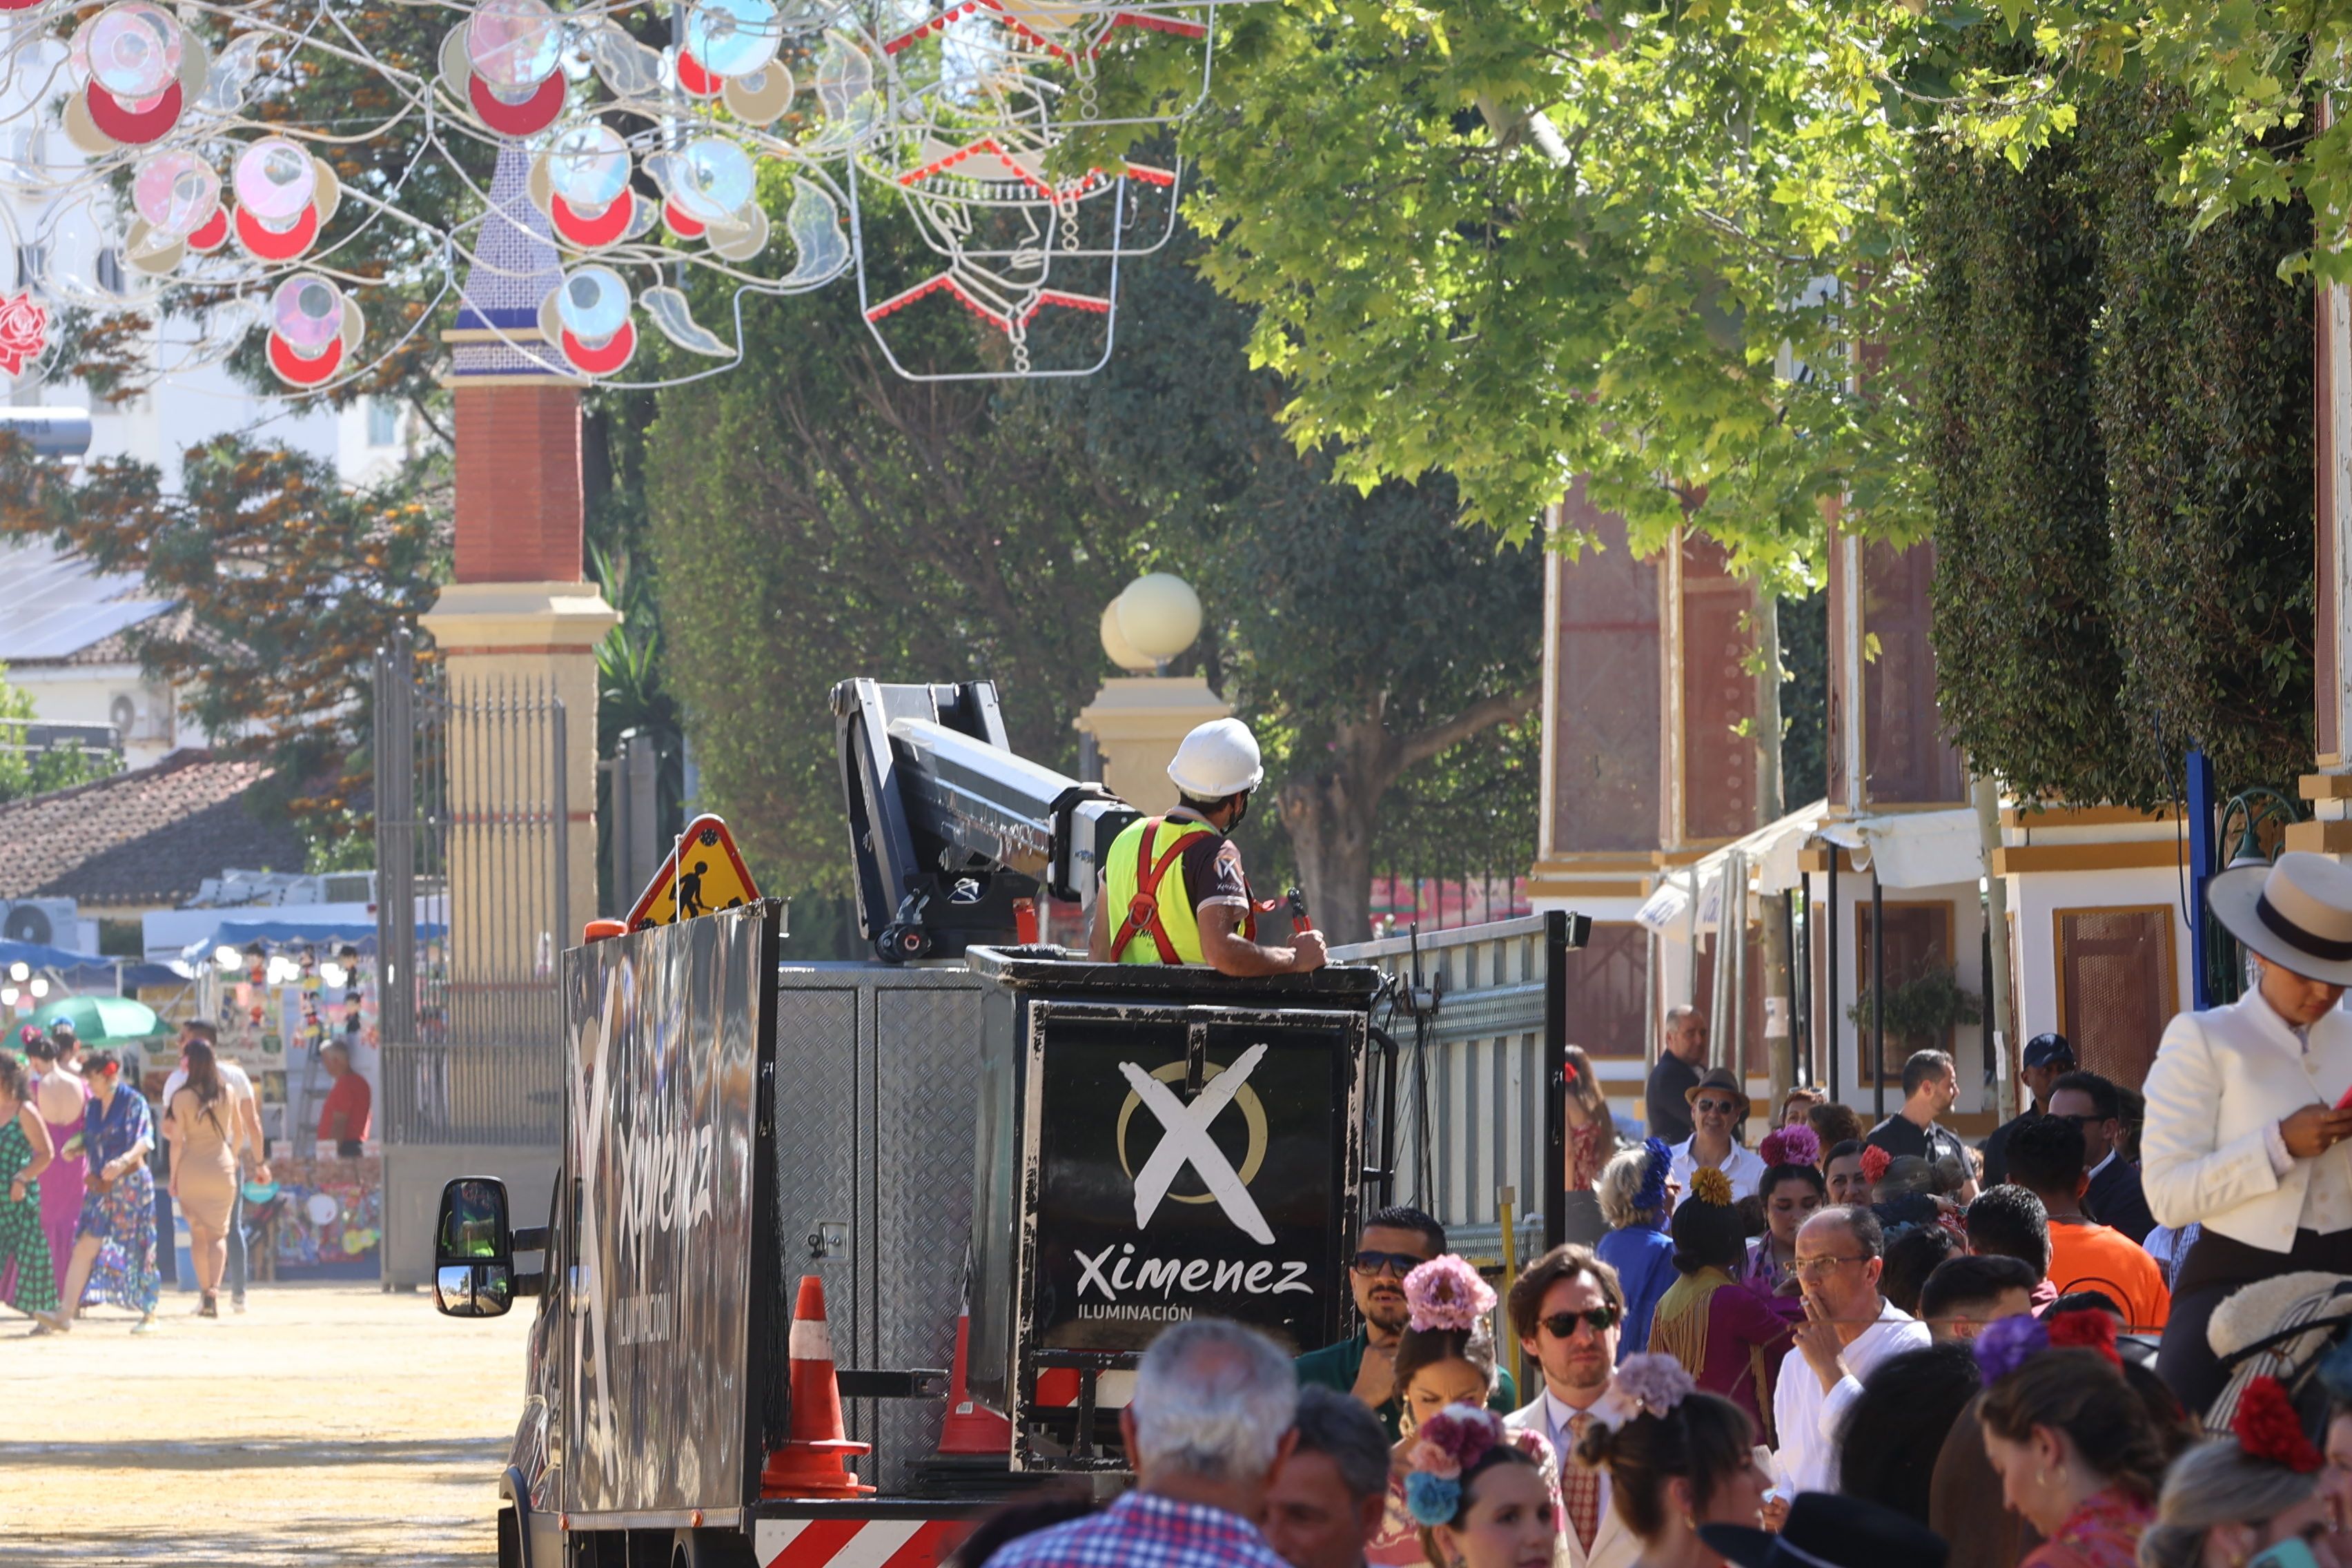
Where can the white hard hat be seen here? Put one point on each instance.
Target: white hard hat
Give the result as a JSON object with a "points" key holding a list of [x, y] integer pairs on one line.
{"points": [[1217, 759]]}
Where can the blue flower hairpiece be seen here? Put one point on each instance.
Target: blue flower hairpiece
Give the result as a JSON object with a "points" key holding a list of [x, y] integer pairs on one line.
{"points": [[1652, 1194], [1431, 1498]]}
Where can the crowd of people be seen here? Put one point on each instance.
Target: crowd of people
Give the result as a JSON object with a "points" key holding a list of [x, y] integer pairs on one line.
{"points": [[79, 1143], [2116, 1333]]}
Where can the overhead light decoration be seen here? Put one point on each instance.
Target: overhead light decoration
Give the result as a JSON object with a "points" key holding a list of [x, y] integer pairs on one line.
{"points": [[667, 160]]}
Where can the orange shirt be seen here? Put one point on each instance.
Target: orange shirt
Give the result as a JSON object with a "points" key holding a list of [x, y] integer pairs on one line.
{"points": [[2099, 1257]]}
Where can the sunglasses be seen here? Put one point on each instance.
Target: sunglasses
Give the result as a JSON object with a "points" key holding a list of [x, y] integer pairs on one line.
{"points": [[1397, 1263], [1720, 1106], [2085, 1119], [1599, 1319]]}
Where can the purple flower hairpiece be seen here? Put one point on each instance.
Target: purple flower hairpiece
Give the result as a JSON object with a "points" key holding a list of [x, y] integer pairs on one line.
{"points": [[1653, 1385], [2007, 1343], [1446, 1293]]}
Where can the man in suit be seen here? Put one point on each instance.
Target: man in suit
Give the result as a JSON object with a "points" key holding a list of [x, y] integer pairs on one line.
{"points": [[2242, 1137], [1666, 1099], [2114, 1198], [1566, 1307]]}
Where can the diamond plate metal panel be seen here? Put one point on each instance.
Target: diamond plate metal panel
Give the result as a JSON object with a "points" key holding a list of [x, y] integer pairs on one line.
{"points": [[927, 1050], [818, 1143]]}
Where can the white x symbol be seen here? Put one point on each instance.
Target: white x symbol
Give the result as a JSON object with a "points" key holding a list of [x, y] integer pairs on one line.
{"points": [[1187, 1141]]}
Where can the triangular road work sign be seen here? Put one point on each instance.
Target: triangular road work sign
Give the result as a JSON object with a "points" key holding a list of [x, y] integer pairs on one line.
{"points": [[702, 872]]}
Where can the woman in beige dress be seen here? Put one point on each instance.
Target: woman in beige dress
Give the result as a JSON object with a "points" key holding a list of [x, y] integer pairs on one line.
{"points": [[206, 1125]]}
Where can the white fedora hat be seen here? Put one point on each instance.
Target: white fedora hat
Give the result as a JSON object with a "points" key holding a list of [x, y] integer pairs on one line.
{"points": [[2297, 912]]}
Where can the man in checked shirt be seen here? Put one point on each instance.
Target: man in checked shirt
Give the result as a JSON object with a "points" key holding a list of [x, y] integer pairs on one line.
{"points": [[1209, 1424]]}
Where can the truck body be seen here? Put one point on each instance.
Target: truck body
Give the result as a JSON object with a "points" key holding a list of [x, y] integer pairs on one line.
{"points": [[1027, 1156]]}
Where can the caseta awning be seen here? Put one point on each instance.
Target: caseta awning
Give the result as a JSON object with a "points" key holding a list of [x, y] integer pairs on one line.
{"points": [[1906, 849]]}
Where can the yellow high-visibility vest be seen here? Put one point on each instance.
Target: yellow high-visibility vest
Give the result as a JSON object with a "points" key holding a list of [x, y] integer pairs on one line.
{"points": [[1152, 905]]}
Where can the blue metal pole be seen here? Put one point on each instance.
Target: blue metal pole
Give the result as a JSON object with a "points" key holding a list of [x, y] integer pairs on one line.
{"points": [[2203, 861]]}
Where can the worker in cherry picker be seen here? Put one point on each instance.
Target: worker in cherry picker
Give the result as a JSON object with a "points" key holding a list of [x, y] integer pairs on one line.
{"points": [[1173, 890]]}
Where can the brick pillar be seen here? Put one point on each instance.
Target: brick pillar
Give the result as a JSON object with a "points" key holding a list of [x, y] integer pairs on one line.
{"points": [[519, 491]]}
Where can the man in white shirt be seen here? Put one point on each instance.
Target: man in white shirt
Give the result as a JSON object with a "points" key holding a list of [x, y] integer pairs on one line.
{"points": [[1566, 1307], [249, 1111], [1718, 1105], [1849, 1328]]}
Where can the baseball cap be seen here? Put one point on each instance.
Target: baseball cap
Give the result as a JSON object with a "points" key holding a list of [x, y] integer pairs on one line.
{"points": [[2048, 1050]]}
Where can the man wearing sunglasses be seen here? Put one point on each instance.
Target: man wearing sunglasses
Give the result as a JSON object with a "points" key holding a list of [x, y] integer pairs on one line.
{"points": [[1566, 1309], [2115, 1197], [1393, 1243]]}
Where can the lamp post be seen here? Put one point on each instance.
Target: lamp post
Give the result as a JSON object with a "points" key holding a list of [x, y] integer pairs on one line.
{"points": [[1134, 724]]}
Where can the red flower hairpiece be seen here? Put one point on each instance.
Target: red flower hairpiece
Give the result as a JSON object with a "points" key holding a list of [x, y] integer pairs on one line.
{"points": [[2268, 1429], [2085, 1331], [1875, 1160]]}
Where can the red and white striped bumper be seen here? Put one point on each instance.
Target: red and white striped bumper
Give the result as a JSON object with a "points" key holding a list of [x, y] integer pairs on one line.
{"points": [[855, 1542]]}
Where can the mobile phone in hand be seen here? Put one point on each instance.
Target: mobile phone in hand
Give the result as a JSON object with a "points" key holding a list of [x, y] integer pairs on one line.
{"points": [[2343, 1104]]}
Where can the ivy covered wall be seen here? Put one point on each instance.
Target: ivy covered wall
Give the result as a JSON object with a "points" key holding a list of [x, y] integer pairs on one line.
{"points": [[2119, 416]]}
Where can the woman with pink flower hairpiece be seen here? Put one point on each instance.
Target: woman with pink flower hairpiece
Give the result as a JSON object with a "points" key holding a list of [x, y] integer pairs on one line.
{"points": [[1444, 1359]]}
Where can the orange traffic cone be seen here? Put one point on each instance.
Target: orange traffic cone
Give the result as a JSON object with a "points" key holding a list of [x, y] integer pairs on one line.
{"points": [[971, 1427], [809, 1462]]}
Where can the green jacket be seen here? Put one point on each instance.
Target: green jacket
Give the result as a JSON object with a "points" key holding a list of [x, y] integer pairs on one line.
{"points": [[1336, 1366]]}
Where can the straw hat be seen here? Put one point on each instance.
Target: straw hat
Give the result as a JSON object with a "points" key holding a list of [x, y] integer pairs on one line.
{"points": [[2295, 912]]}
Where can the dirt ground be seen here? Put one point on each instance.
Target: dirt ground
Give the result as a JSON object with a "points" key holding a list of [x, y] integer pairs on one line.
{"points": [[329, 1424]]}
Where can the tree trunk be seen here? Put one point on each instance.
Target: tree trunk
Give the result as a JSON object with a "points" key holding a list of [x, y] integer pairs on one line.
{"points": [[1331, 817], [1333, 813]]}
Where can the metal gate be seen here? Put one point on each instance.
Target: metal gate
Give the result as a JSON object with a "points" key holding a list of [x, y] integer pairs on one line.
{"points": [[470, 846], [1479, 1013]]}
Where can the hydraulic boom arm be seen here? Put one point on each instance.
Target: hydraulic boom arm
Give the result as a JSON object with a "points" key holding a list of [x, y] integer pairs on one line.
{"points": [[948, 827]]}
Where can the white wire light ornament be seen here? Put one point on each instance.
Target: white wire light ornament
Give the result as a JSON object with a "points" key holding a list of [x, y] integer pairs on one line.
{"points": [[617, 164]]}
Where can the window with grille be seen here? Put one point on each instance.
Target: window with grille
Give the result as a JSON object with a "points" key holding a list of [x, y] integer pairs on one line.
{"points": [[2117, 986], [382, 422], [1918, 939]]}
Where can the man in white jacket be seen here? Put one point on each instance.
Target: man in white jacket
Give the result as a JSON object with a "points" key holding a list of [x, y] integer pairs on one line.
{"points": [[1849, 1328], [2242, 1135]]}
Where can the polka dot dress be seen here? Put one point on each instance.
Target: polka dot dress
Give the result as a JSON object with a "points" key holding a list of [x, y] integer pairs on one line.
{"points": [[29, 1281]]}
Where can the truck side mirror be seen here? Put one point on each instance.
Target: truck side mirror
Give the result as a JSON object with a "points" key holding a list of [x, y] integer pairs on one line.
{"points": [[473, 1249]]}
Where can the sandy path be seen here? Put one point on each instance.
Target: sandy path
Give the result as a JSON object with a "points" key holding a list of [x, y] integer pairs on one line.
{"points": [[332, 1424]]}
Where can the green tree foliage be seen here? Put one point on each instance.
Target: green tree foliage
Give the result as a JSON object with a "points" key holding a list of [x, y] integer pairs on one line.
{"points": [[814, 517], [817, 518], [291, 580], [24, 771], [1522, 241], [2116, 406]]}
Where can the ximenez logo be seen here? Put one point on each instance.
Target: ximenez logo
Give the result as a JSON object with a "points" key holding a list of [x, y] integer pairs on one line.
{"points": [[1265, 1276]]}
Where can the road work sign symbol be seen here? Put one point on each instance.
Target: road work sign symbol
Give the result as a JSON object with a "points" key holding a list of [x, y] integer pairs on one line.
{"points": [[701, 874], [1186, 1142]]}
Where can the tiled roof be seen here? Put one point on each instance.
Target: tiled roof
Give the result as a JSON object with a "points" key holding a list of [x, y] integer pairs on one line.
{"points": [[144, 838]]}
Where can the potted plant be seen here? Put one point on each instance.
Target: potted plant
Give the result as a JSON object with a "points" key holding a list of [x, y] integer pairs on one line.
{"points": [[1921, 1009]]}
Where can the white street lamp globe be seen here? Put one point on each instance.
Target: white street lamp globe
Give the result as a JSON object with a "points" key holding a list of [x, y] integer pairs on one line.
{"points": [[1114, 643], [1159, 614]]}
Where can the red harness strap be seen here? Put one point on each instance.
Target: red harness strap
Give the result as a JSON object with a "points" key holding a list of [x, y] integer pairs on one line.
{"points": [[1143, 909]]}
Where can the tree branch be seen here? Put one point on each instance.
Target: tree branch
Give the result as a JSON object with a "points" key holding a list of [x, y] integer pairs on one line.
{"points": [[1483, 714]]}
